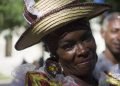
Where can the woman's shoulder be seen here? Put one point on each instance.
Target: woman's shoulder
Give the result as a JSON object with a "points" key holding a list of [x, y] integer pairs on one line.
{"points": [[23, 69], [19, 74], [27, 74]]}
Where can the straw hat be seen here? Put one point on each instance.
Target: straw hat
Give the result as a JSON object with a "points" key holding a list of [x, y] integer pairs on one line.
{"points": [[45, 16]]}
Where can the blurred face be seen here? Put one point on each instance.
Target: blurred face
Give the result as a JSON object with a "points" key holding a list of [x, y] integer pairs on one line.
{"points": [[112, 36], [77, 52]]}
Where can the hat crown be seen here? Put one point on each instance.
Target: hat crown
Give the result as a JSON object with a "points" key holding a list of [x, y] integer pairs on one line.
{"points": [[43, 7]]}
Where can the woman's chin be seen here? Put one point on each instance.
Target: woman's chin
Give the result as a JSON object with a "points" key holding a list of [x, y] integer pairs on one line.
{"points": [[85, 68]]}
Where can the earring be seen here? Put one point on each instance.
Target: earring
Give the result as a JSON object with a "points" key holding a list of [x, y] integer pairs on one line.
{"points": [[52, 68]]}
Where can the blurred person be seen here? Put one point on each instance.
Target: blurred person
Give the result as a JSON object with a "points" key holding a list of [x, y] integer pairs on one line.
{"points": [[108, 63], [63, 26]]}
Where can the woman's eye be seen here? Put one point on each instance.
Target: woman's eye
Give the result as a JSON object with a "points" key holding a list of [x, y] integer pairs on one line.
{"points": [[68, 47]]}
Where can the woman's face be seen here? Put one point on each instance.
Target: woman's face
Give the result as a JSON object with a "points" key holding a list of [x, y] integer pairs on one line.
{"points": [[77, 52]]}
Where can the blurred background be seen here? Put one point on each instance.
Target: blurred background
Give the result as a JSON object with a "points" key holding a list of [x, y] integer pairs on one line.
{"points": [[12, 25]]}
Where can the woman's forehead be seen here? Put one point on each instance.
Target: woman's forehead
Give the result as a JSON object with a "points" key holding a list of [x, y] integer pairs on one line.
{"points": [[77, 34], [75, 31]]}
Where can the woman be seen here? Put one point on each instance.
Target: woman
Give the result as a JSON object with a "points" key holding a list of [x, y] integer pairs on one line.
{"points": [[74, 48], [63, 26]]}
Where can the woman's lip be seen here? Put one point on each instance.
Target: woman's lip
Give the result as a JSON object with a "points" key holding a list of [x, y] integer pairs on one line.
{"points": [[86, 63], [87, 60]]}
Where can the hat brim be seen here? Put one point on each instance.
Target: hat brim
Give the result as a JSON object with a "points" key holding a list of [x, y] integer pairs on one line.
{"points": [[53, 21]]}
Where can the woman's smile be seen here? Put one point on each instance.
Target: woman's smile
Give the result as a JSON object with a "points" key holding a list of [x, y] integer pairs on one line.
{"points": [[86, 62]]}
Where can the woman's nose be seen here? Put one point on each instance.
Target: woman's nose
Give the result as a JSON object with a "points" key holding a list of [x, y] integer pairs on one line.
{"points": [[80, 49]]}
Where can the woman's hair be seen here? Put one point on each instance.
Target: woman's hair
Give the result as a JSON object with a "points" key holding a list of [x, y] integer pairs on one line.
{"points": [[51, 40]]}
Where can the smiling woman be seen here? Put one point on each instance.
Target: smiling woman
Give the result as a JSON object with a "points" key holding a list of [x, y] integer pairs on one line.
{"points": [[75, 46], [63, 26]]}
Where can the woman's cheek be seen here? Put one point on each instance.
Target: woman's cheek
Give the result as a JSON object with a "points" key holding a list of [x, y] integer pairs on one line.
{"points": [[68, 56]]}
